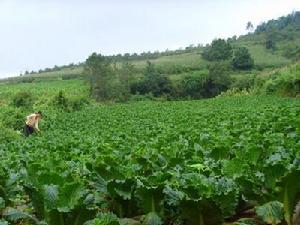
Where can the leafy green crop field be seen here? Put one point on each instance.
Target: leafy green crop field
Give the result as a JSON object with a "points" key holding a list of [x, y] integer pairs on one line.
{"points": [[195, 163]]}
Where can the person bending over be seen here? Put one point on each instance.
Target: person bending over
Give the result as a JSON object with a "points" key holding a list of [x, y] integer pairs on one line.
{"points": [[32, 123]]}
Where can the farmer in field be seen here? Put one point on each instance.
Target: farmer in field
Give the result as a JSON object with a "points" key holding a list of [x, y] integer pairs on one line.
{"points": [[32, 123]]}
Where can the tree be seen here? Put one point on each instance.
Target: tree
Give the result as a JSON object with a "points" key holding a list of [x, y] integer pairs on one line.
{"points": [[100, 73], [242, 59], [271, 40], [218, 79], [153, 82], [125, 78], [249, 26], [218, 50]]}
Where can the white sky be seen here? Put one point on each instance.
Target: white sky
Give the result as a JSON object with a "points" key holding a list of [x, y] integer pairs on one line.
{"points": [[41, 33]]}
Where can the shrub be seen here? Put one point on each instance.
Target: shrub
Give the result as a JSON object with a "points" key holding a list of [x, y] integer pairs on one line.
{"points": [[192, 87], [13, 118], [285, 83], [8, 135], [78, 103], [157, 84], [23, 99], [235, 92], [244, 82], [60, 101], [139, 97]]}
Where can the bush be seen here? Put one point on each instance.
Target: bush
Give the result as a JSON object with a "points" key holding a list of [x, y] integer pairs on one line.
{"points": [[138, 97], [78, 103], [13, 118], [61, 102], [192, 87], [23, 99], [157, 84], [244, 82], [285, 82], [8, 135], [235, 92]]}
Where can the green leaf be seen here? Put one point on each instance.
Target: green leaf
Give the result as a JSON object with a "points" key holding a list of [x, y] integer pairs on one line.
{"points": [[271, 212], [245, 221], [50, 196], [152, 219], [150, 198], [3, 222], [204, 212], [104, 219], [289, 194], [129, 221], [69, 196], [15, 215], [234, 168], [2, 203]]}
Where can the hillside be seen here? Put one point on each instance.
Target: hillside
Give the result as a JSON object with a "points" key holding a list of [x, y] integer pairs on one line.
{"points": [[283, 34]]}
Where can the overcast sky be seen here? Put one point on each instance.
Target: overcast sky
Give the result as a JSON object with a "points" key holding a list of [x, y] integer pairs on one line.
{"points": [[42, 33]]}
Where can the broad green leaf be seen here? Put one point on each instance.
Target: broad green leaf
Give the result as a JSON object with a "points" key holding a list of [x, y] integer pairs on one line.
{"points": [[290, 194], [51, 196], [2, 203], [152, 219], [234, 168], [15, 215], [69, 196], [2, 222], [271, 212]]}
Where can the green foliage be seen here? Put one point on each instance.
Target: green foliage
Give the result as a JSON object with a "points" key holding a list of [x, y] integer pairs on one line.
{"points": [[7, 135], [292, 51], [285, 82], [152, 219], [235, 92], [192, 86], [104, 219], [153, 82], [60, 101], [281, 23], [179, 161], [271, 40], [243, 82], [218, 50], [100, 73], [289, 194], [23, 99], [218, 79], [13, 118], [125, 77], [271, 212], [242, 59]]}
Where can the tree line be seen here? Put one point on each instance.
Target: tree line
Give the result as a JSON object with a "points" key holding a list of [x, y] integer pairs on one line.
{"points": [[111, 81]]}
